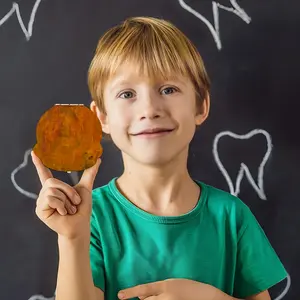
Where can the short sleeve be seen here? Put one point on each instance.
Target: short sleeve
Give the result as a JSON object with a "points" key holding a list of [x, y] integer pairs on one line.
{"points": [[257, 267], [96, 255]]}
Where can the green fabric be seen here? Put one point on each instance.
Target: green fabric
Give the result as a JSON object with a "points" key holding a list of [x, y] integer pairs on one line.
{"points": [[219, 242]]}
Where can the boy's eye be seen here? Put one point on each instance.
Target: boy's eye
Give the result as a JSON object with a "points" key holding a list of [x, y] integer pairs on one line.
{"points": [[127, 95], [168, 90]]}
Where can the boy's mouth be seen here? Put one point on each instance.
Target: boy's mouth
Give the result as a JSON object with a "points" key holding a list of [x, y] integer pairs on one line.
{"points": [[154, 132]]}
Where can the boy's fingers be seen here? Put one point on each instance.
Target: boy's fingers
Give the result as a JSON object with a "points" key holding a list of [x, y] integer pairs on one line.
{"points": [[52, 203], [43, 172], [69, 191], [142, 291], [57, 204], [56, 193], [89, 175]]}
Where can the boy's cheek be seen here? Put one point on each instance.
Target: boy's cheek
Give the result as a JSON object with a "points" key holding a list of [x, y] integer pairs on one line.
{"points": [[119, 134]]}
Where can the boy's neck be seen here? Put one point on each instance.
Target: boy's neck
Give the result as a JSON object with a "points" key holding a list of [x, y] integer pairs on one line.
{"points": [[164, 190]]}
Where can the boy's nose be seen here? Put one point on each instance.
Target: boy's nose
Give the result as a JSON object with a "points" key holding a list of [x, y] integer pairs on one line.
{"points": [[151, 108]]}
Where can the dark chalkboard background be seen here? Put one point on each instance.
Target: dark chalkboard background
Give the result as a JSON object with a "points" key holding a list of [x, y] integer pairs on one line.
{"points": [[255, 84]]}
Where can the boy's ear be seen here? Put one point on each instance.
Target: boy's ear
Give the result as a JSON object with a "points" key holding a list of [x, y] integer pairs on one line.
{"points": [[202, 113], [101, 116]]}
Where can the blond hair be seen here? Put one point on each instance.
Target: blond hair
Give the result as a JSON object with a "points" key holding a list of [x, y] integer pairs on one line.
{"points": [[158, 49]]}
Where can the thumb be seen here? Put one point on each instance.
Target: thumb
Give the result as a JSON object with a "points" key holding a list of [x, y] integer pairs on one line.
{"points": [[89, 175]]}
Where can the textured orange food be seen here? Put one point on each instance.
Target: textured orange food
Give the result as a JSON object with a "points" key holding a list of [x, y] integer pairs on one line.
{"points": [[68, 138]]}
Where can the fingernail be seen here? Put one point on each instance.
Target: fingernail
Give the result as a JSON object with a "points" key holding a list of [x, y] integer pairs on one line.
{"points": [[73, 209], [77, 199], [120, 295]]}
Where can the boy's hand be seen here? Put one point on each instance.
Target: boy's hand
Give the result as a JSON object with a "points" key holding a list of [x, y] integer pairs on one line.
{"points": [[174, 289], [63, 208]]}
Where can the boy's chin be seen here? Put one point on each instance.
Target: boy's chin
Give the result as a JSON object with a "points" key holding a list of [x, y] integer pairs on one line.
{"points": [[155, 160], [155, 156]]}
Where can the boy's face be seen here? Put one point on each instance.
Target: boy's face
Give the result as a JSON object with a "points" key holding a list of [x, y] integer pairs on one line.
{"points": [[134, 105]]}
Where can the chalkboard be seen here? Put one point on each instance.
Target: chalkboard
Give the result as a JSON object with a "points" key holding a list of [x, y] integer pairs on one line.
{"points": [[249, 146]]}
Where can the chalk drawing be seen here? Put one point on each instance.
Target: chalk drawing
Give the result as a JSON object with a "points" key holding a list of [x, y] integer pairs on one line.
{"points": [[73, 175], [244, 170], [215, 29], [16, 170], [285, 291], [16, 9], [40, 297]]}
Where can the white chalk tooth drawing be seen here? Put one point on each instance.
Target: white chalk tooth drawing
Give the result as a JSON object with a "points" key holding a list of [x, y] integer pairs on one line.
{"points": [[16, 9], [40, 297], [73, 175], [285, 291], [215, 29], [259, 187], [244, 170], [16, 170]]}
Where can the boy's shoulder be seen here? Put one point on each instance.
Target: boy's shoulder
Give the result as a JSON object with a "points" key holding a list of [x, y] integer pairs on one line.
{"points": [[222, 205]]}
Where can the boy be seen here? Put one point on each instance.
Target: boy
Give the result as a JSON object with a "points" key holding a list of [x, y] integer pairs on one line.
{"points": [[153, 232]]}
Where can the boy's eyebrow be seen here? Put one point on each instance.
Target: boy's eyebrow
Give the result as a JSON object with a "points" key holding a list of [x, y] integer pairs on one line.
{"points": [[176, 79], [118, 83]]}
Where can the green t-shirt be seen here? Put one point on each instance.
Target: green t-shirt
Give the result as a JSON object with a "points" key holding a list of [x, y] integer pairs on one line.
{"points": [[219, 242]]}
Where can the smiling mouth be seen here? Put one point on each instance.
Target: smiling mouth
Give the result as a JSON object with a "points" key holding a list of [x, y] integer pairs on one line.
{"points": [[153, 133]]}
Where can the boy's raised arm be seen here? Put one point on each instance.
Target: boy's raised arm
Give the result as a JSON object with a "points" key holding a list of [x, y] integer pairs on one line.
{"points": [[67, 211], [74, 280]]}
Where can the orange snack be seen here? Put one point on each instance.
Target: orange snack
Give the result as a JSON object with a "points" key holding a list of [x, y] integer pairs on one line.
{"points": [[68, 138]]}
